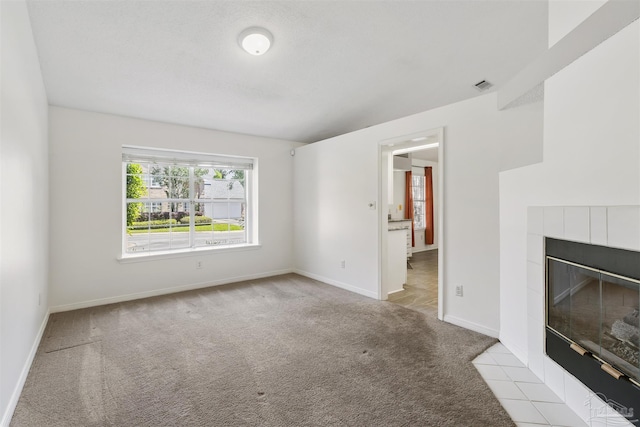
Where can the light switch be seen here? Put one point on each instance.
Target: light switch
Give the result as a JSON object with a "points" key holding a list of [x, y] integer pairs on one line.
{"points": [[399, 207]]}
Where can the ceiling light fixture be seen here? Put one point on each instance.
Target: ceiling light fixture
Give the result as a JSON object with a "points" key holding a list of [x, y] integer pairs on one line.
{"points": [[412, 149], [255, 40]]}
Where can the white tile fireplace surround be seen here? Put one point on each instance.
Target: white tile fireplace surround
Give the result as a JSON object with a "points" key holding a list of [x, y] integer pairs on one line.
{"points": [[614, 226]]}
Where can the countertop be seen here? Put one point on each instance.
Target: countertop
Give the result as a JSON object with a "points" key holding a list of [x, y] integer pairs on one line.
{"points": [[399, 224]]}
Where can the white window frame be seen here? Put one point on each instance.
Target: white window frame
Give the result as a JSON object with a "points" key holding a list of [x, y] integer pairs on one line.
{"points": [[416, 201], [132, 154]]}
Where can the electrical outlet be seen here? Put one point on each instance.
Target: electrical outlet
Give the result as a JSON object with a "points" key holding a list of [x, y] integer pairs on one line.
{"points": [[459, 291], [198, 264], [343, 264]]}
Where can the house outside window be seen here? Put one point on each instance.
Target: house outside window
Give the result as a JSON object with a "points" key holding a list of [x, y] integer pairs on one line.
{"points": [[154, 206], [180, 202], [417, 187]]}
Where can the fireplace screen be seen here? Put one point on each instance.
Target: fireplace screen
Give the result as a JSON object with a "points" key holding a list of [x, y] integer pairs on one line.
{"points": [[598, 311]]}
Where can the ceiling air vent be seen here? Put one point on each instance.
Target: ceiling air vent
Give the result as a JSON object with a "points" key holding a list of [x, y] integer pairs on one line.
{"points": [[483, 85]]}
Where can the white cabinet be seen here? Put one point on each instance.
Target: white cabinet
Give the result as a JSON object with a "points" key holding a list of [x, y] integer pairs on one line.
{"points": [[409, 240], [406, 225], [396, 260]]}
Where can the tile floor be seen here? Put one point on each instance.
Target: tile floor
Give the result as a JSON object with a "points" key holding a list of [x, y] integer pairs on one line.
{"points": [[421, 290], [524, 396]]}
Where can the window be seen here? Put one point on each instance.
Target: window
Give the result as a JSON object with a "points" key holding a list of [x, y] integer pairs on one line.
{"points": [[179, 201], [417, 187]]}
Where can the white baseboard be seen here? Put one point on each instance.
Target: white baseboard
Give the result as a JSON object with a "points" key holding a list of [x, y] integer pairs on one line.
{"points": [[396, 291], [165, 291], [337, 284], [471, 325], [13, 401]]}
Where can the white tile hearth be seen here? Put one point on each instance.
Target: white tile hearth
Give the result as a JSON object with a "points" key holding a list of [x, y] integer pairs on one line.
{"points": [[492, 372], [535, 220], [554, 376], [506, 359], [485, 359], [623, 227], [553, 220], [535, 249], [535, 305], [558, 414], [598, 219], [498, 348], [539, 393], [523, 411], [527, 400], [577, 224], [535, 277], [506, 390], [576, 395], [523, 375]]}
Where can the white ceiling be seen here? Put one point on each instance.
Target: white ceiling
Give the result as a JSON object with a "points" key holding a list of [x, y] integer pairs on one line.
{"points": [[335, 66], [430, 155]]}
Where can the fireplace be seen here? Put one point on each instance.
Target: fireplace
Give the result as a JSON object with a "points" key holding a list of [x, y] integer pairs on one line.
{"points": [[592, 319]]}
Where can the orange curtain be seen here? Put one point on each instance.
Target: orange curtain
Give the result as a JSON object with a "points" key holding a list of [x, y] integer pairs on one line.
{"points": [[408, 203], [428, 206]]}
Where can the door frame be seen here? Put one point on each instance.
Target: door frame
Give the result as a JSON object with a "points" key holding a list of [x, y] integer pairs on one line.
{"points": [[385, 167]]}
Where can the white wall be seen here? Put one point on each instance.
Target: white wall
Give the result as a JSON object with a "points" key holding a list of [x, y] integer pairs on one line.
{"points": [[86, 216], [591, 152], [518, 151], [23, 203], [336, 179]]}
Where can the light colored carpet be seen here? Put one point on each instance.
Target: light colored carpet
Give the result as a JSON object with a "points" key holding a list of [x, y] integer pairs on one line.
{"points": [[283, 351]]}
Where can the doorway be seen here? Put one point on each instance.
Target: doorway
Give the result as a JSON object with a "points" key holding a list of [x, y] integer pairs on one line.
{"points": [[411, 172]]}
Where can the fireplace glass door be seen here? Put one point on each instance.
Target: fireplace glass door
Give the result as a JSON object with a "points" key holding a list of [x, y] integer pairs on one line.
{"points": [[598, 311]]}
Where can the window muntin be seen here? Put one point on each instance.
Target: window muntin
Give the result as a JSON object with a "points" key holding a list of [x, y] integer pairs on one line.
{"points": [[160, 196], [417, 188]]}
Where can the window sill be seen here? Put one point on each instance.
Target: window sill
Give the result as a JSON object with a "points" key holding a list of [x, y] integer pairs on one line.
{"points": [[126, 259]]}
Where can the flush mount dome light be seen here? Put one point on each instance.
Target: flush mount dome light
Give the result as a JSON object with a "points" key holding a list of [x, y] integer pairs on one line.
{"points": [[255, 40]]}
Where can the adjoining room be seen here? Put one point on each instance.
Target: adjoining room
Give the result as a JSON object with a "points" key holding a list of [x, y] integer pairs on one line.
{"points": [[416, 209]]}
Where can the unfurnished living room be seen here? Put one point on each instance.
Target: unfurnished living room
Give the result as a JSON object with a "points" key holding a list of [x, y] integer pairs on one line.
{"points": [[320, 213]]}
